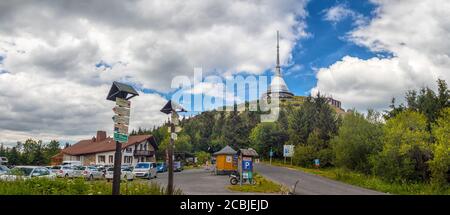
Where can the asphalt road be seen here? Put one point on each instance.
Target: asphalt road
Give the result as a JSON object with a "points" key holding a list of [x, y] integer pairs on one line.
{"points": [[310, 184], [199, 182]]}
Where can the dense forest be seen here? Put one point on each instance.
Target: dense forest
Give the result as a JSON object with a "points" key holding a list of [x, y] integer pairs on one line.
{"points": [[408, 142]]}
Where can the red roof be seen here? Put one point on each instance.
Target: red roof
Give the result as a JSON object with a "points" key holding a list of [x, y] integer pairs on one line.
{"points": [[106, 145]]}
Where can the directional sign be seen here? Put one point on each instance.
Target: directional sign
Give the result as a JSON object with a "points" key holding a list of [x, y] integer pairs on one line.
{"points": [[122, 102], [123, 138], [175, 118], [174, 136], [121, 120], [121, 111], [121, 128]]}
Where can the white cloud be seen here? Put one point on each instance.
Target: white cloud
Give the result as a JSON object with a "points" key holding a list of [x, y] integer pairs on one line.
{"points": [[49, 49], [340, 12], [415, 32]]}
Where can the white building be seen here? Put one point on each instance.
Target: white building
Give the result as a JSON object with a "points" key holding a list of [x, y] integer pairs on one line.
{"points": [[101, 149]]}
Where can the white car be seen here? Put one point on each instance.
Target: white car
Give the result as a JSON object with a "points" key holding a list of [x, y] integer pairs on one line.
{"points": [[27, 172], [69, 171], [91, 172], [145, 170], [126, 174]]}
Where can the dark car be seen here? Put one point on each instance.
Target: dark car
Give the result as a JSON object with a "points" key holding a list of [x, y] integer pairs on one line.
{"points": [[161, 167]]}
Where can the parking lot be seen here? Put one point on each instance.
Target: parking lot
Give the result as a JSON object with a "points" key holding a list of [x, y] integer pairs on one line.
{"points": [[199, 182]]}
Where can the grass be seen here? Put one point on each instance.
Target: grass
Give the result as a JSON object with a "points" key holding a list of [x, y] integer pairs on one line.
{"points": [[262, 185], [370, 182], [60, 186]]}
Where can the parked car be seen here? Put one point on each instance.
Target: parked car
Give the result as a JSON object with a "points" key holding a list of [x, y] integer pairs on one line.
{"points": [[3, 169], [161, 167], [54, 169], [91, 173], [72, 163], [68, 171], [27, 172], [177, 166], [126, 173], [145, 170]]}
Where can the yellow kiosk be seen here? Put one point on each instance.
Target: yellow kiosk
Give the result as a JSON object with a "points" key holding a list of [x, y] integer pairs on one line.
{"points": [[226, 161]]}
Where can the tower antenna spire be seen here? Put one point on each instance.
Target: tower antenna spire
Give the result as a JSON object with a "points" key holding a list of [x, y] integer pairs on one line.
{"points": [[278, 70]]}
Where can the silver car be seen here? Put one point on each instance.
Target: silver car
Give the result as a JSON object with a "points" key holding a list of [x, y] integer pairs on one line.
{"points": [[126, 174], [68, 171], [27, 172], [91, 173]]}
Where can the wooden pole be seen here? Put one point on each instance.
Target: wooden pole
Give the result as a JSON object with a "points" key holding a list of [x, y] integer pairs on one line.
{"points": [[170, 154], [117, 164]]}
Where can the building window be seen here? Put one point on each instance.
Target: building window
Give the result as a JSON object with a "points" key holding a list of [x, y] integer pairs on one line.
{"points": [[111, 159], [128, 159], [101, 159], [129, 150]]}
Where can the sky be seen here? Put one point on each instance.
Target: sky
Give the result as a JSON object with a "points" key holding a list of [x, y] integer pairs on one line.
{"points": [[59, 58]]}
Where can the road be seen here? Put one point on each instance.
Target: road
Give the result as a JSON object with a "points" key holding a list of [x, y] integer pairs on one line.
{"points": [[310, 184], [200, 182]]}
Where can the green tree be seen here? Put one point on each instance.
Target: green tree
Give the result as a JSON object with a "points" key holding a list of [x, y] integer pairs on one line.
{"points": [[357, 139], [440, 164], [202, 157], [13, 156], [52, 149], [266, 136], [406, 148]]}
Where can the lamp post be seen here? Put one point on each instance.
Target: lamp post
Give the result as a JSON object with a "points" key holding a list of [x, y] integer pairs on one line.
{"points": [[171, 108], [120, 93]]}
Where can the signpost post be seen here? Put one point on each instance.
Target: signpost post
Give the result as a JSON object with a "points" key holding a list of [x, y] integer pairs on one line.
{"points": [[270, 155], [120, 93]]}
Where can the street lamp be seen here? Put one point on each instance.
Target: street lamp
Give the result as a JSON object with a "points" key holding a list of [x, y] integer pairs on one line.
{"points": [[171, 108], [120, 93]]}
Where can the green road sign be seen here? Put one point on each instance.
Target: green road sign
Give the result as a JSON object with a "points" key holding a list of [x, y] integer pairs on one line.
{"points": [[123, 138]]}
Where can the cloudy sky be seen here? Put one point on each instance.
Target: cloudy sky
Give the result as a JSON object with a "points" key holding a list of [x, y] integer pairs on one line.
{"points": [[59, 58]]}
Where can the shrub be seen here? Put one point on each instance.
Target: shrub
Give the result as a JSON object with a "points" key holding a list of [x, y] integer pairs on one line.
{"points": [[440, 165], [43, 186], [406, 148], [357, 140], [304, 155], [202, 157]]}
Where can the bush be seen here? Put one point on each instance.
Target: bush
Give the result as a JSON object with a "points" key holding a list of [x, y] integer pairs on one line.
{"points": [[440, 165], [202, 157], [406, 149], [357, 140], [59, 186], [304, 155]]}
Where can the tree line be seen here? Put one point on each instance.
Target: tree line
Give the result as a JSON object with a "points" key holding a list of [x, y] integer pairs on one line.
{"points": [[30, 152]]}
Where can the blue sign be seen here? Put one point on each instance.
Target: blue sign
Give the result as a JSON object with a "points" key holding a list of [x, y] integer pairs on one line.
{"points": [[247, 165], [271, 153], [317, 162]]}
